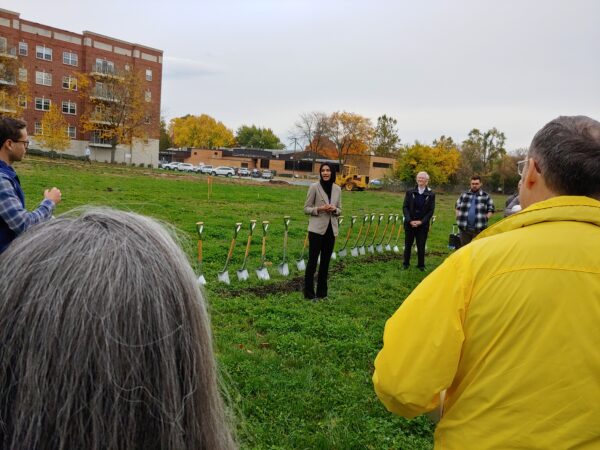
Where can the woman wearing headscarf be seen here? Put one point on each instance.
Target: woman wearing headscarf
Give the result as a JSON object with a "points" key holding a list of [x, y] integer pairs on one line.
{"points": [[324, 205]]}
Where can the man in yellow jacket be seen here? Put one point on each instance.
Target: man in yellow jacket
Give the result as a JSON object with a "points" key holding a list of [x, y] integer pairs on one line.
{"points": [[507, 330]]}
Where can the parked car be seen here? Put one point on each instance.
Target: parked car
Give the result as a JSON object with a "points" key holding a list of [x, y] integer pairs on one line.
{"points": [[255, 173], [243, 172], [171, 166], [267, 174], [206, 169], [199, 167], [224, 171], [185, 167], [375, 182]]}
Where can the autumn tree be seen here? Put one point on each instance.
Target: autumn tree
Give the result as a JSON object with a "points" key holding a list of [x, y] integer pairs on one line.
{"points": [[200, 131], [119, 110], [54, 134], [440, 161], [13, 86], [255, 137], [351, 133], [164, 141], [386, 141], [482, 150], [311, 130]]}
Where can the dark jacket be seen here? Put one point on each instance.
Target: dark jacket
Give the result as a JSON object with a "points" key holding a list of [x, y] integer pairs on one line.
{"points": [[6, 234], [409, 207]]}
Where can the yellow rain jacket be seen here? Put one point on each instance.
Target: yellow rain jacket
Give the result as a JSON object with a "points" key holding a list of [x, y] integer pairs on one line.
{"points": [[510, 326]]}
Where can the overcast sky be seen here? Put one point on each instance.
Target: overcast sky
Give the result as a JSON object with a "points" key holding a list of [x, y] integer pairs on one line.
{"points": [[439, 67]]}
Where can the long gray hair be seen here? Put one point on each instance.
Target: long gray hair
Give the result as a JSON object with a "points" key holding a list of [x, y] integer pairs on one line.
{"points": [[105, 340]]}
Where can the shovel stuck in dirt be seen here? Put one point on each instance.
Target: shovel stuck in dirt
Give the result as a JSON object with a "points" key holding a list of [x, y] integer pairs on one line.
{"points": [[283, 267], [388, 246], [200, 230], [223, 275], [262, 273], [379, 247], [395, 248], [354, 249], [242, 273], [343, 252], [300, 264], [340, 220], [371, 248], [362, 250]]}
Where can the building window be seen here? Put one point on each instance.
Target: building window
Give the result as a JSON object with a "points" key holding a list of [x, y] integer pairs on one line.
{"points": [[42, 104], [23, 101], [38, 128], [148, 96], [70, 58], [3, 45], [264, 163], [23, 48], [382, 165], [43, 78], [127, 67], [69, 82], [71, 132], [148, 74], [22, 74], [43, 52], [69, 107], [147, 120]]}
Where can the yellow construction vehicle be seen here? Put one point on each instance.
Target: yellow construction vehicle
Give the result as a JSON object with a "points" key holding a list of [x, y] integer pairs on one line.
{"points": [[350, 180]]}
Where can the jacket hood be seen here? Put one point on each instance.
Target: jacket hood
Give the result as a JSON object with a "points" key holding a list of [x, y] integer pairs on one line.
{"points": [[555, 209]]}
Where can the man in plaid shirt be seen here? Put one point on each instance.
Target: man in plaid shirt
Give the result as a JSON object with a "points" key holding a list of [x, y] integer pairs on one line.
{"points": [[473, 209], [14, 218]]}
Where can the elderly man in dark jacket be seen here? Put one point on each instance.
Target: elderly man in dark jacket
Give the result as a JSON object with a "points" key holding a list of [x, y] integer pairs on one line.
{"points": [[418, 208]]}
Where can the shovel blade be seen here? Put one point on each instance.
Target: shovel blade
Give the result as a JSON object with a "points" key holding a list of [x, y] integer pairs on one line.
{"points": [[301, 265], [263, 274], [342, 253], [354, 251], [388, 248], [371, 249], [362, 250], [333, 256], [284, 269], [396, 249], [223, 277], [201, 280], [242, 275], [379, 248]]}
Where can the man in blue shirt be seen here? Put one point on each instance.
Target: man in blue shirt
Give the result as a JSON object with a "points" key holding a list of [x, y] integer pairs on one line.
{"points": [[473, 209], [14, 218]]}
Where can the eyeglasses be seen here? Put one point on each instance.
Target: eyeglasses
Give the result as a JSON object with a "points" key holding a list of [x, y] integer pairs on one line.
{"points": [[521, 165], [25, 143]]}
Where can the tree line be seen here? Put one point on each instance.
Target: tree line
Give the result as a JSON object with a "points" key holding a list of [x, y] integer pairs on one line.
{"points": [[342, 133]]}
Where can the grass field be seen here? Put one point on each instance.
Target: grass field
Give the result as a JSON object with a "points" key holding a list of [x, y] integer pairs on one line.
{"points": [[298, 373]]}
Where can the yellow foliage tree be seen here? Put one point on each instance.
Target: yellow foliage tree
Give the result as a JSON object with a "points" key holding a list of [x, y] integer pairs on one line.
{"points": [[13, 90], [351, 133], [54, 135], [118, 111], [200, 131], [440, 161]]}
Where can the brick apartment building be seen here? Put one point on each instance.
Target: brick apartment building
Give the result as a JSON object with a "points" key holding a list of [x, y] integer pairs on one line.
{"points": [[47, 60]]}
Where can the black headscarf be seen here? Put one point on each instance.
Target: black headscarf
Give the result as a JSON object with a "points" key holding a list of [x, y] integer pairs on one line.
{"points": [[327, 185]]}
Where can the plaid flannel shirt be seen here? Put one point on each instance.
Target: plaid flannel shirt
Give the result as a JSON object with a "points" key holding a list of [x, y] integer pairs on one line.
{"points": [[14, 215], [484, 205]]}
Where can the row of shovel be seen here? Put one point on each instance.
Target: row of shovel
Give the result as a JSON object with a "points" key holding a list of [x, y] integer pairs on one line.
{"points": [[360, 247]]}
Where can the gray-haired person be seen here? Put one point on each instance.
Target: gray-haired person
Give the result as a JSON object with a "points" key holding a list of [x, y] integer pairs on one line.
{"points": [[106, 340]]}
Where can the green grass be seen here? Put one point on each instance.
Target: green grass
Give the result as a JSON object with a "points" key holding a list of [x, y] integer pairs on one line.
{"points": [[298, 373]]}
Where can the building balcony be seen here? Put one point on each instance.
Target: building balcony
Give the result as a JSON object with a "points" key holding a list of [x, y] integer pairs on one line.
{"points": [[99, 119], [103, 70], [8, 52], [104, 94], [97, 141], [7, 108]]}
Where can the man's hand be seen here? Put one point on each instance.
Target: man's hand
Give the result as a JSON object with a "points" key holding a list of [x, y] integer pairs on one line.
{"points": [[415, 223], [53, 194], [327, 208]]}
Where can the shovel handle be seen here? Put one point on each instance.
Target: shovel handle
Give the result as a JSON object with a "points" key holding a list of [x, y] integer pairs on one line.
{"points": [[387, 224], [200, 251], [399, 231], [265, 227], [236, 230], [200, 229]]}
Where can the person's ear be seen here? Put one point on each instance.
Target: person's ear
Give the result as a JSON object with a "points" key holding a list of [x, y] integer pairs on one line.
{"points": [[531, 175]]}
